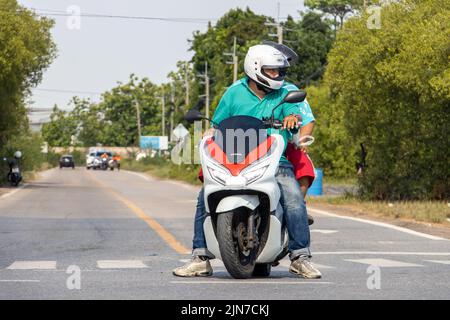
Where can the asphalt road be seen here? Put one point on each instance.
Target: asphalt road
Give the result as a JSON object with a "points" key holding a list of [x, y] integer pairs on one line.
{"points": [[78, 234]]}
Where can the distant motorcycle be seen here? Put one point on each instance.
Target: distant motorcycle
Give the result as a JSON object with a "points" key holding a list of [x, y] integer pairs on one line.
{"points": [[14, 175], [114, 164], [104, 163]]}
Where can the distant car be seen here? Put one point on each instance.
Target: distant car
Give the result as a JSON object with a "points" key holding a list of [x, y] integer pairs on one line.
{"points": [[90, 160], [66, 161], [95, 161]]}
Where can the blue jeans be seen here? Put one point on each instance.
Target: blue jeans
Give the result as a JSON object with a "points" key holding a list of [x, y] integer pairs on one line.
{"points": [[294, 216]]}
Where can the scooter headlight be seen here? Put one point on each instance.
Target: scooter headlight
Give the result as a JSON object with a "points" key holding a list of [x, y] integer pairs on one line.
{"points": [[218, 175], [256, 174]]}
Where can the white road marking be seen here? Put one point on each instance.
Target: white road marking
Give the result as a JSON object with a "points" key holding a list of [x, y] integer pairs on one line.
{"points": [[20, 280], [10, 193], [439, 261], [121, 264], [251, 282], [323, 231], [383, 253], [139, 175], [32, 265], [380, 224], [385, 263]]}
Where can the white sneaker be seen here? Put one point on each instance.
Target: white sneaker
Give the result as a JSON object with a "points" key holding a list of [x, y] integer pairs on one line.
{"points": [[303, 267], [195, 268]]}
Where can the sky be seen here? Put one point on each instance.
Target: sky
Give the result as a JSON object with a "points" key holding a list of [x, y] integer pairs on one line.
{"points": [[103, 51]]}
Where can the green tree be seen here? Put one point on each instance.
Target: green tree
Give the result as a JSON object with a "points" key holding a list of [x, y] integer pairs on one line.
{"points": [[59, 131], [119, 108], [334, 150], [26, 50], [338, 9], [393, 85], [311, 38]]}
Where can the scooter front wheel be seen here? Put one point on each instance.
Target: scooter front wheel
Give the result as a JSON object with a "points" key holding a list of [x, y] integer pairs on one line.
{"points": [[231, 229]]}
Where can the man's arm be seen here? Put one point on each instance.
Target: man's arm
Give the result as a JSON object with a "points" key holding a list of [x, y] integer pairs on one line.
{"points": [[306, 130]]}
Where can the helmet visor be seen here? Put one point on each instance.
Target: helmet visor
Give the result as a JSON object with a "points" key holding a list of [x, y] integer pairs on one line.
{"points": [[276, 73]]}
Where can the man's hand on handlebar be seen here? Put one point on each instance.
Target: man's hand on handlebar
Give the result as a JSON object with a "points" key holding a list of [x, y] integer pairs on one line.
{"points": [[290, 122]]}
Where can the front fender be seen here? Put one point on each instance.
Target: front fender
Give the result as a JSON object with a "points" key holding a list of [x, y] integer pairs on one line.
{"points": [[237, 201]]}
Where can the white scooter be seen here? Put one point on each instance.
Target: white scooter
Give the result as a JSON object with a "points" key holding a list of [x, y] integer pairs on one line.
{"points": [[244, 225]]}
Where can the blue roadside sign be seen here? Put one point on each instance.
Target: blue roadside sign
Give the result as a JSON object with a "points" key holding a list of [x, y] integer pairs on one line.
{"points": [[153, 142]]}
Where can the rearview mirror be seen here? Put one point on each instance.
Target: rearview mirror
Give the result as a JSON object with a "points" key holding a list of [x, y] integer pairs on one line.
{"points": [[193, 115], [295, 96]]}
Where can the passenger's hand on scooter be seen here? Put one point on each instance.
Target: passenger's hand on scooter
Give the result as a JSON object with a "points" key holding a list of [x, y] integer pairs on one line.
{"points": [[209, 132], [302, 148], [290, 122]]}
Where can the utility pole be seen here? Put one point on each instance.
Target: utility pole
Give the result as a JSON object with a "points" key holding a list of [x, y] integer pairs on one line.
{"points": [[138, 117], [172, 107], [186, 84], [206, 94], [235, 60], [279, 27], [206, 83], [279, 33], [163, 116]]}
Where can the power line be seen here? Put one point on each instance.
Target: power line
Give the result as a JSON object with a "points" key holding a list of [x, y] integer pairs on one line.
{"points": [[60, 13], [70, 91], [57, 13]]}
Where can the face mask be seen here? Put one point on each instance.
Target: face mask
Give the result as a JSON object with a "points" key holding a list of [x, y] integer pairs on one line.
{"points": [[263, 88]]}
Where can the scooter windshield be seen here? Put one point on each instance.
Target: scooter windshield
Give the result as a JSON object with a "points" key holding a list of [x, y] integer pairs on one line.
{"points": [[239, 141]]}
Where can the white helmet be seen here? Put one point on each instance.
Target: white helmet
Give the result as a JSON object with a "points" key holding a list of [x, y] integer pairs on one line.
{"points": [[17, 154], [265, 56]]}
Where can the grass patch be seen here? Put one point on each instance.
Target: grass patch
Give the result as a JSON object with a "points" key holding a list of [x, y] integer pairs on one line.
{"points": [[164, 168]]}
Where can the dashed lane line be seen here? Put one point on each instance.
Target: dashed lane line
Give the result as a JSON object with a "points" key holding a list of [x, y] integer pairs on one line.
{"points": [[33, 265], [121, 264]]}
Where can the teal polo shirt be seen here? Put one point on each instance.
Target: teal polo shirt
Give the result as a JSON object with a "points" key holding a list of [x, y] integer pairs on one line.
{"points": [[240, 100]]}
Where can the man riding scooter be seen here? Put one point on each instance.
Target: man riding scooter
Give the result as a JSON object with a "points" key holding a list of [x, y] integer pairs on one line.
{"points": [[14, 175], [256, 95]]}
